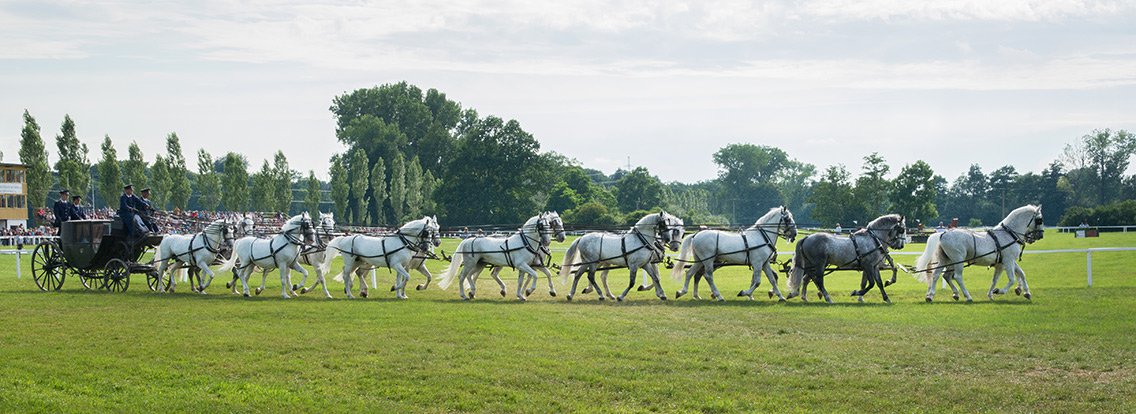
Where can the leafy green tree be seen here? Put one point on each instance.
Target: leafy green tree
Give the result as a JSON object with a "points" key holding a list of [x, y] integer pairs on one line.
{"points": [[282, 178], [110, 176], [873, 190], [360, 177], [160, 182], [1002, 188], [235, 182], [340, 187], [1098, 163], [413, 190], [378, 192], [562, 198], [639, 190], [134, 168], [429, 185], [485, 179], [208, 183], [591, 214], [913, 193], [747, 175], [33, 153], [263, 190], [313, 196], [833, 197], [74, 170], [180, 189], [398, 187]]}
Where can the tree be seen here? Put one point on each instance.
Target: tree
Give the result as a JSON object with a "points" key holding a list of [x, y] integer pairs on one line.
{"points": [[914, 193], [413, 190], [1104, 155], [208, 183], [110, 176], [282, 177], [429, 185], [312, 197], [873, 189], [160, 182], [639, 190], [562, 198], [33, 153], [490, 177], [360, 177], [235, 182], [74, 170], [833, 197], [340, 188], [591, 214], [378, 192], [263, 190], [397, 193], [180, 189], [1002, 185], [746, 177], [134, 169]]}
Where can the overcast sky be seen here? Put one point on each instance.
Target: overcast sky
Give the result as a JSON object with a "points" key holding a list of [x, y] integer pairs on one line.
{"points": [[829, 81]]}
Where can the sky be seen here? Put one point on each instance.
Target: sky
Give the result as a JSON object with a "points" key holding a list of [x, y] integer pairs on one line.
{"points": [[609, 83]]}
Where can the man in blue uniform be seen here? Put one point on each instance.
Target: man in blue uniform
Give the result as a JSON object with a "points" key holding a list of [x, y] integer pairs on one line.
{"points": [[61, 209], [128, 211], [146, 210], [77, 208]]}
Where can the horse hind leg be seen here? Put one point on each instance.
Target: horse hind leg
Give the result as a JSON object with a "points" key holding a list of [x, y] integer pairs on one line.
{"points": [[958, 279]]}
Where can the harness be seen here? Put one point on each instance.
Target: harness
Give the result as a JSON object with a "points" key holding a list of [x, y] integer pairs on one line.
{"points": [[289, 238], [656, 251], [998, 248], [205, 246]]}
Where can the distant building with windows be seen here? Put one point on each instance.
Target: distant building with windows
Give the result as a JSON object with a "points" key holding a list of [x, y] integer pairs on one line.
{"points": [[13, 195]]}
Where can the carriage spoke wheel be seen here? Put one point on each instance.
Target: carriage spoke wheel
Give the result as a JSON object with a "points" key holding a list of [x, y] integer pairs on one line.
{"points": [[91, 279], [152, 281], [48, 266], [117, 275]]}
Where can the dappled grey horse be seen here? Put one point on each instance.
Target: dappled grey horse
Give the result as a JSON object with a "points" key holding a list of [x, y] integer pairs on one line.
{"points": [[864, 250]]}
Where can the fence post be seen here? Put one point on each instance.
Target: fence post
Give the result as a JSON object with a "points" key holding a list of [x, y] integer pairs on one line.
{"points": [[374, 281], [1089, 265], [19, 269]]}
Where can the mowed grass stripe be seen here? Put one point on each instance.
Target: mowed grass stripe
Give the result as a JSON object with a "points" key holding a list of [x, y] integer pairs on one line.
{"points": [[1071, 349]]}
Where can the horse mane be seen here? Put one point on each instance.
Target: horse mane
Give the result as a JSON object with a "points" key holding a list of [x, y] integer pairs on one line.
{"points": [[884, 221], [767, 217], [1018, 212]]}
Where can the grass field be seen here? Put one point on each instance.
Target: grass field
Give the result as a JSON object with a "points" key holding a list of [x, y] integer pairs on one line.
{"points": [[1072, 349]]}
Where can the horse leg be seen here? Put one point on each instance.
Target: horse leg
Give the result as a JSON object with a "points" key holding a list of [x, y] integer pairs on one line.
{"points": [[1022, 282], [401, 277], [204, 266], [1012, 277], [755, 280], [297, 267], [606, 290], [495, 273], [285, 281], [263, 281], [958, 279], [551, 287], [634, 269], [364, 288], [880, 283], [772, 276], [933, 284], [426, 272], [461, 280], [347, 274], [820, 286], [686, 282], [994, 283], [244, 276], [653, 271], [714, 293], [525, 269]]}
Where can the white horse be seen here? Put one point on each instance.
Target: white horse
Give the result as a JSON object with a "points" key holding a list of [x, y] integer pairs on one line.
{"points": [[753, 247], [414, 240], [198, 249], [999, 247], [518, 251], [540, 262], [278, 252], [643, 246]]}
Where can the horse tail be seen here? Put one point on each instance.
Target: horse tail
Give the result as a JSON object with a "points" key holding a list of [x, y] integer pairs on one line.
{"points": [[797, 273], [684, 254], [229, 263], [447, 277], [570, 257], [928, 259], [329, 253]]}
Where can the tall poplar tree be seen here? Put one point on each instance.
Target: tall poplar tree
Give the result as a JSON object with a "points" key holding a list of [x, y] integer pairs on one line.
{"points": [[180, 189], [340, 188], [413, 190], [263, 191], [398, 187], [282, 177], [312, 197], [235, 182], [110, 175], [134, 168], [74, 170], [378, 192], [208, 183], [33, 153], [360, 178], [160, 182]]}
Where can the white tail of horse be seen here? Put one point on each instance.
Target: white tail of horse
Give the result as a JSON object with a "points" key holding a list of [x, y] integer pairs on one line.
{"points": [[797, 273], [447, 277], [684, 255], [571, 256], [928, 259], [329, 253], [228, 264]]}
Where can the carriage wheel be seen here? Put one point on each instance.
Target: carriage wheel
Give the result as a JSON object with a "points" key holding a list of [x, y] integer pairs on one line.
{"points": [[117, 275], [48, 266], [91, 279], [152, 281]]}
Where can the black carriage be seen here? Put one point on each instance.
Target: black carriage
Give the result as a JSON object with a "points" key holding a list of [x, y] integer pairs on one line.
{"points": [[98, 252]]}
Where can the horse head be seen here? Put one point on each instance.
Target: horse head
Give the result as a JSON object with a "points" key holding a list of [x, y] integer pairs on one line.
{"points": [[1027, 222], [670, 230], [556, 226], [894, 230], [787, 227]]}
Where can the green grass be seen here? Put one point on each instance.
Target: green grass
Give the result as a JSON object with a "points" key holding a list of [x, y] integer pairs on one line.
{"points": [[1071, 349]]}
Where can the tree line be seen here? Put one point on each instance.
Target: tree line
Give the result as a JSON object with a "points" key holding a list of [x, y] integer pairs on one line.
{"points": [[412, 152]]}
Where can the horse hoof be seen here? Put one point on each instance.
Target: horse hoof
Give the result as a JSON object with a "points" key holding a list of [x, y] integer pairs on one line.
{"points": [[303, 291], [420, 287], [229, 285], [618, 299], [641, 288], [968, 300], [860, 299], [956, 297], [781, 300], [552, 293], [528, 292], [569, 297], [363, 294], [465, 299], [855, 293], [721, 299], [928, 299], [1018, 291], [522, 299], [471, 295], [246, 295], [1028, 296], [663, 298], [502, 292], [820, 295], [887, 301], [295, 287], [771, 295], [392, 288], [587, 290], [257, 291], [678, 294], [888, 283], [741, 293]]}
